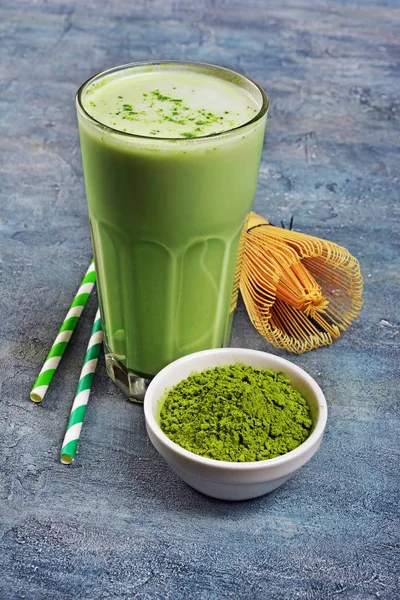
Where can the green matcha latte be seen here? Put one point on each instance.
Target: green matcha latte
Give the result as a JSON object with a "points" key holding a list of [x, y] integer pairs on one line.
{"points": [[171, 153]]}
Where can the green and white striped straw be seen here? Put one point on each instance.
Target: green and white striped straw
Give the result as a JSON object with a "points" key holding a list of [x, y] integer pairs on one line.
{"points": [[60, 343], [71, 439]]}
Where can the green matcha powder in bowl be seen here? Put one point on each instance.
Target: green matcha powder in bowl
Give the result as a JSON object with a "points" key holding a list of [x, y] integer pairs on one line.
{"points": [[236, 413], [235, 423]]}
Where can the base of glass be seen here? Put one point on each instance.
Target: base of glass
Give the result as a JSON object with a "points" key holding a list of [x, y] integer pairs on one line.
{"points": [[132, 385]]}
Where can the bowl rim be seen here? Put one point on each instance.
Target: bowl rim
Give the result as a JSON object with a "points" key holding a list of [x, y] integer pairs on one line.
{"points": [[304, 448]]}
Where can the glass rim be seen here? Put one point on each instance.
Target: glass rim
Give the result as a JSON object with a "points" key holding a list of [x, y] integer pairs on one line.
{"points": [[260, 114]]}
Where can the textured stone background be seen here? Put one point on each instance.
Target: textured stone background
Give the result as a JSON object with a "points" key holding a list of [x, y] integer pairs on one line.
{"points": [[118, 523]]}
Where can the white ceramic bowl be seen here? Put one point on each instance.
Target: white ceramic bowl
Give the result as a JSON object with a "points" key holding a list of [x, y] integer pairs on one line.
{"points": [[233, 480]]}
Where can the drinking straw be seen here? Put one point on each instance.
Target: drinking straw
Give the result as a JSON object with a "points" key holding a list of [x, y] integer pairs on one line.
{"points": [[71, 439], [64, 335]]}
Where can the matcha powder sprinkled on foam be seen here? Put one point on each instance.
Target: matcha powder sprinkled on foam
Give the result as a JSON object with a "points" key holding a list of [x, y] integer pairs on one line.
{"points": [[236, 413]]}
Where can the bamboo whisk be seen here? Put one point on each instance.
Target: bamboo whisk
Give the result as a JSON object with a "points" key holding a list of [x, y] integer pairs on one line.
{"points": [[300, 291]]}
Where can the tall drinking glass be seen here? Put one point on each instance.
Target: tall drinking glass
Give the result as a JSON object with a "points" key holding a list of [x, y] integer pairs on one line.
{"points": [[171, 154]]}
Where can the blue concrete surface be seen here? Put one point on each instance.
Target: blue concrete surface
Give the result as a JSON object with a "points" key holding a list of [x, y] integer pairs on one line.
{"points": [[118, 523]]}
